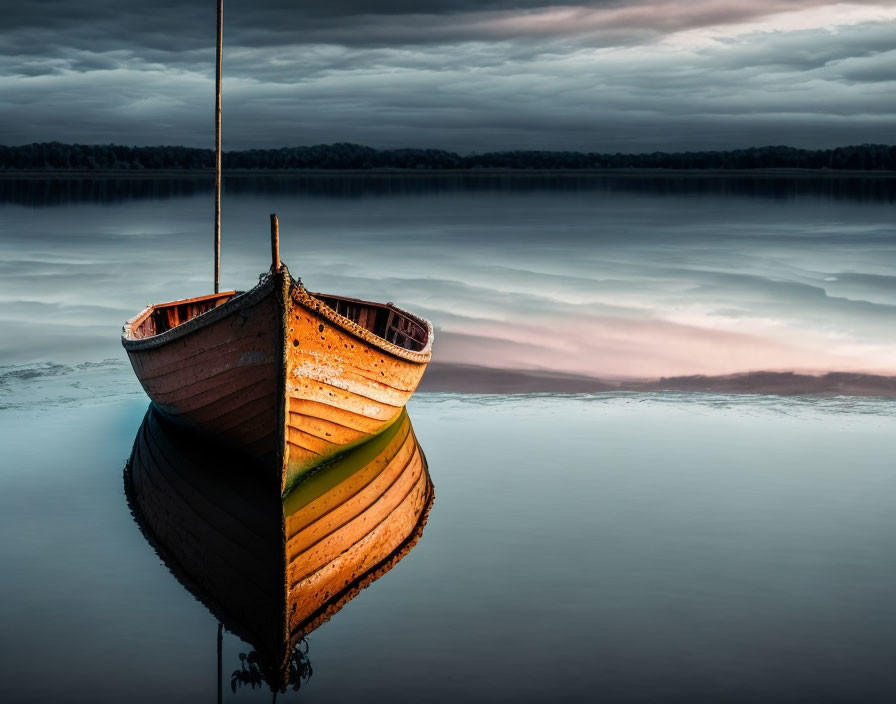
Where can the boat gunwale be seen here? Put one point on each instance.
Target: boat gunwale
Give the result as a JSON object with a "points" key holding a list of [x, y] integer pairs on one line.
{"points": [[239, 301], [300, 295], [310, 301], [127, 330]]}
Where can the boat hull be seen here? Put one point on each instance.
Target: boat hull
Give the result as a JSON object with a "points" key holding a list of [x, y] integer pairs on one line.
{"points": [[341, 387], [278, 375], [221, 377]]}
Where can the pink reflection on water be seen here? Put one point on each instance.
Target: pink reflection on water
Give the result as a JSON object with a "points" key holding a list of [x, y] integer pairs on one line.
{"points": [[621, 348]]}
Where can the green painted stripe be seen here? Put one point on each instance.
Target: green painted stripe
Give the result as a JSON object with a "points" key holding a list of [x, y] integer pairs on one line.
{"points": [[332, 473]]}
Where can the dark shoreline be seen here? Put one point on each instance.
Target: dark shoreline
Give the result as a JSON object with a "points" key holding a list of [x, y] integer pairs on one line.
{"points": [[141, 174], [470, 379]]}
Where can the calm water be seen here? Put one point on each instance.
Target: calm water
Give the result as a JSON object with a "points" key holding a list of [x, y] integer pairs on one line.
{"points": [[624, 277], [625, 548], [618, 547]]}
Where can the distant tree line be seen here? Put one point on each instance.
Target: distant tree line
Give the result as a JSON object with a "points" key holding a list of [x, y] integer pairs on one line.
{"points": [[54, 155]]}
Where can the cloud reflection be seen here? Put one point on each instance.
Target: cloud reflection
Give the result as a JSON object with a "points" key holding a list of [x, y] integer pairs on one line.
{"points": [[610, 278]]}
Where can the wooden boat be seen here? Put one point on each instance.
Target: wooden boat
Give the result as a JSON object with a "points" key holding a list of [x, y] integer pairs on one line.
{"points": [[272, 570], [289, 377]]}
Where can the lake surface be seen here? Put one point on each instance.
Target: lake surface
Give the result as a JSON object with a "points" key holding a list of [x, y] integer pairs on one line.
{"points": [[631, 547], [626, 277], [623, 548]]}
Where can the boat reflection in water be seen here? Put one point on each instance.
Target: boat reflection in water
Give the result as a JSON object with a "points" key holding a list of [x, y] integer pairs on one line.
{"points": [[272, 570]]}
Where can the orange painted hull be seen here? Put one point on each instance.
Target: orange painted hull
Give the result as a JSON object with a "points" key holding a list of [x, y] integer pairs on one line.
{"points": [[273, 570], [276, 373]]}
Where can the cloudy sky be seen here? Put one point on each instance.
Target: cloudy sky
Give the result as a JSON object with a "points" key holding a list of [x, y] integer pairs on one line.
{"points": [[466, 75]]}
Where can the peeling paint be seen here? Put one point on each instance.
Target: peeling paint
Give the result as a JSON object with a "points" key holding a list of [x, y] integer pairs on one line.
{"points": [[251, 357]]}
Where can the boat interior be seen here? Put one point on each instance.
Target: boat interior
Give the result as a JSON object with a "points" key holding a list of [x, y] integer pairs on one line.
{"points": [[164, 316], [382, 319]]}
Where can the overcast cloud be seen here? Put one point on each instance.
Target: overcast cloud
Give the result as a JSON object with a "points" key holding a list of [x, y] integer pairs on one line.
{"points": [[467, 76]]}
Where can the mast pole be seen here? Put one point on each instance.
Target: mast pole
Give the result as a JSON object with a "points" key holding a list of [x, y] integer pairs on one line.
{"points": [[218, 145], [220, 644], [275, 244]]}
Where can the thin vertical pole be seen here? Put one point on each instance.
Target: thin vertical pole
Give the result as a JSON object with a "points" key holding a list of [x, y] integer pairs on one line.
{"points": [[218, 145], [275, 244], [220, 643]]}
